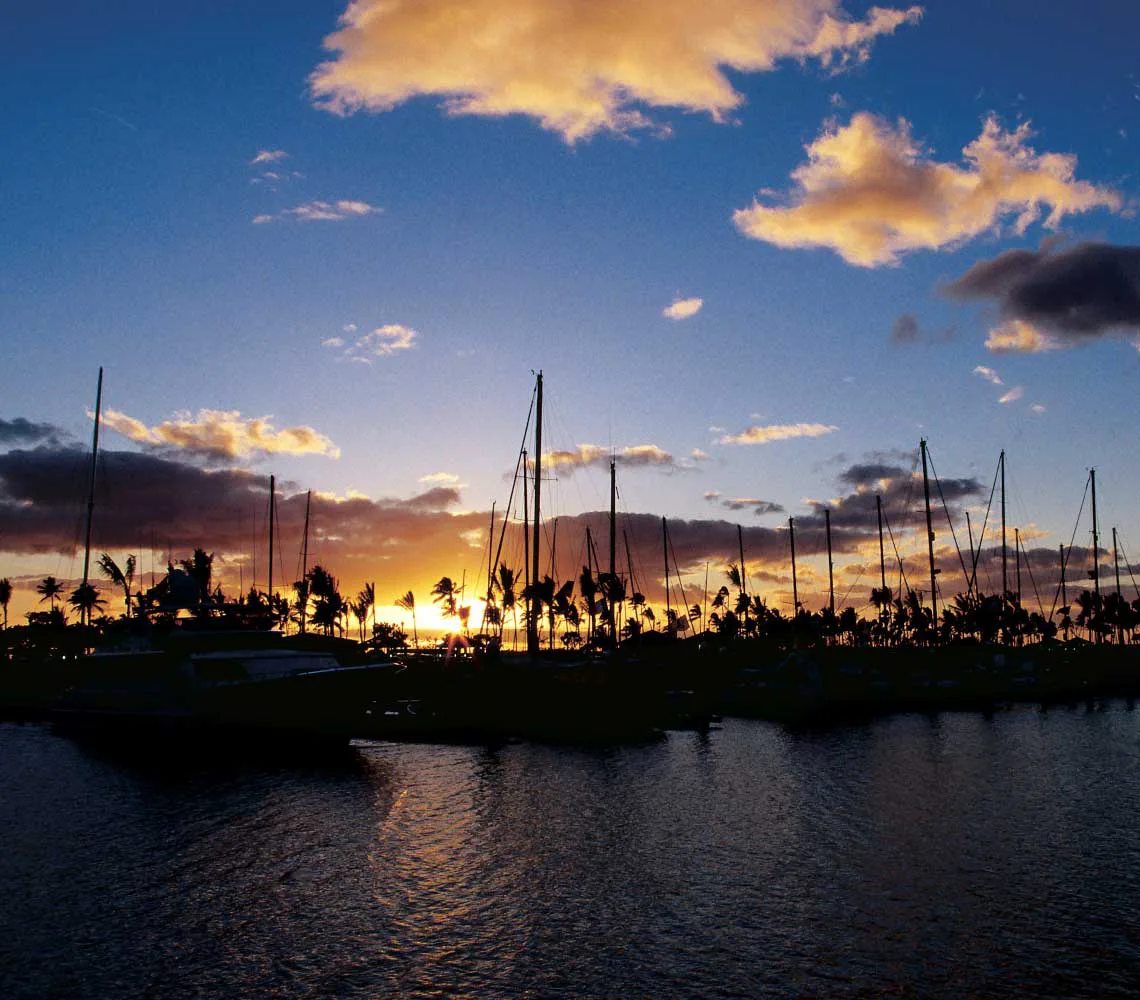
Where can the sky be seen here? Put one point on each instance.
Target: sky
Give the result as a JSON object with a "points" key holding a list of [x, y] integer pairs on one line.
{"points": [[758, 248]]}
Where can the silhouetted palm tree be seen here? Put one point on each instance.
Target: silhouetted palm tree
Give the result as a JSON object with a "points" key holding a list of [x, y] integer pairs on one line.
{"points": [[328, 605], [505, 581], [365, 603], [445, 593], [408, 603], [588, 588], [85, 598], [120, 577], [5, 597], [49, 588], [301, 603]]}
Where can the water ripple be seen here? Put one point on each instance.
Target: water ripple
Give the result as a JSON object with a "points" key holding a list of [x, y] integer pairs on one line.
{"points": [[945, 856]]}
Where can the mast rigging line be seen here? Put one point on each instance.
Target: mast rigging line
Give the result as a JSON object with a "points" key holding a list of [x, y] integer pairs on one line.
{"points": [[676, 572], [1029, 569], [975, 557], [1128, 565], [898, 558], [945, 509], [1072, 538]]}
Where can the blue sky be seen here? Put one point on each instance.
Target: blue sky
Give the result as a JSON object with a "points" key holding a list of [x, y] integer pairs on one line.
{"points": [[485, 245]]}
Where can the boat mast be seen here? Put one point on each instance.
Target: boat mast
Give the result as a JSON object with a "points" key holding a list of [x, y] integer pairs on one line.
{"points": [[795, 585], [553, 579], [532, 613], [743, 573], [1096, 548], [1064, 591], [929, 537], [613, 518], [272, 518], [665, 549], [1004, 571], [973, 558], [611, 611], [1116, 564], [1017, 564], [305, 557], [882, 558], [91, 491], [526, 542], [590, 573], [490, 564], [830, 569]]}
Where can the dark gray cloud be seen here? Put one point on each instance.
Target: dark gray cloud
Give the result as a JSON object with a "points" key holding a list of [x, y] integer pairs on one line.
{"points": [[24, 432], [146, 499], [870, 473], [906, 331], [1072, 294], [758, 507]]}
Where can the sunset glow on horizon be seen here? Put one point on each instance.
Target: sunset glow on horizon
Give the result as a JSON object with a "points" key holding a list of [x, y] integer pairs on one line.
{"points": [[758, 248]]}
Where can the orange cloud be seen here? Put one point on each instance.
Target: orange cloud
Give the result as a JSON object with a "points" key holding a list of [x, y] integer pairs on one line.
{"points": [[776, 432], [595, 455], [1018, 336], [870, 192], [223, 434], [682, 308], [579, 68]]}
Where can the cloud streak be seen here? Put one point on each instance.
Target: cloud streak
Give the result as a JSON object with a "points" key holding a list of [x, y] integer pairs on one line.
{"points": [[871, 192], [776, 432], [265, 156], [988, 374], [580, 68], [223, 434], [595, 456], [321, 211], [758, 507]]}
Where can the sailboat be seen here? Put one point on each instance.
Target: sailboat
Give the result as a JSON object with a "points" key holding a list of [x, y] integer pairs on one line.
{"points": [[194, 676]]}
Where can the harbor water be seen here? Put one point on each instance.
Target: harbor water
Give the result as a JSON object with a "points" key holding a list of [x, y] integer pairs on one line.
{"points": [[951, 855]]}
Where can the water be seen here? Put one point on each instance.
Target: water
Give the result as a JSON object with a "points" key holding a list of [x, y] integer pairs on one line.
{"points": [[948, 856]]}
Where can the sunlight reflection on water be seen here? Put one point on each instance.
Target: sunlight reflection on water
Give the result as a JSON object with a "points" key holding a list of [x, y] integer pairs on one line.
{"points": [[925, 856]]}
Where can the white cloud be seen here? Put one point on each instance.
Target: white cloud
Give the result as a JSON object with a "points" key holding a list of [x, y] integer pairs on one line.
{"points": [[683, 308], [268, 156], [384, 340], [871, 192], [1038, 407], [988, 374], [1013, 395], [580, 68], [440, 479], [328, 211], [333, 342], [777, 432]]}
